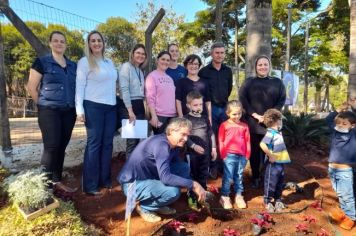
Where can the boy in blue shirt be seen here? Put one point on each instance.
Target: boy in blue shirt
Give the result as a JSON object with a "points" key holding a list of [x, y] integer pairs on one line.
{"points": [[342, 159]]}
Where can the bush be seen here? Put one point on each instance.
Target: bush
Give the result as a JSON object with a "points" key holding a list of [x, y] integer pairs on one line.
{"points": [[63, 221], [299, 130], [28, 189]]}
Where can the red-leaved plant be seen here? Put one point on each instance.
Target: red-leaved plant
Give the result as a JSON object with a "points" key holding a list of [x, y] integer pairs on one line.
{"points": [[317, 205], [176, 225], [213, 189], [231, 232], [323, 232], [302, 227], [309, 219]]}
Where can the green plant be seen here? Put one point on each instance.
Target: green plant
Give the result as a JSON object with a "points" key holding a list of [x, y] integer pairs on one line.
{"points": [[299, 130], [29, 189]]}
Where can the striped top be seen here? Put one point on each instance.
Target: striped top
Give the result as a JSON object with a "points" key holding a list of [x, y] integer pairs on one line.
{"points": [[275, 142]]}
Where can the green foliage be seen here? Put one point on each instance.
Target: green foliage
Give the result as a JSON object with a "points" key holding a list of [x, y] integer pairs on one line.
{"points": [[120, 38], [167, 31], [19, 55], [28, 189], [63, 221], [299, 130]]}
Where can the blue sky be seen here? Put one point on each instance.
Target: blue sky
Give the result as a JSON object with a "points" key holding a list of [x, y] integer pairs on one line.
{"points": [[101, 10]]}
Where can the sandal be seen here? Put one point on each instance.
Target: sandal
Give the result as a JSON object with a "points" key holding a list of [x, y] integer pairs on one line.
{"points": [[61, 187]]}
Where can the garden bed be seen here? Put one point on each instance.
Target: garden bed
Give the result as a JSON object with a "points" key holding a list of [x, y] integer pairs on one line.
{"points": [[108, 211]]}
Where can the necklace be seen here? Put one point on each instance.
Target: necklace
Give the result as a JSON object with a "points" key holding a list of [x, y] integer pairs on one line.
{"points": [[138, 73]]}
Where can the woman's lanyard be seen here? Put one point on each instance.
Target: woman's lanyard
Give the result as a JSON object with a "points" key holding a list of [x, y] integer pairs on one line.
{"points": [[138, 73]]}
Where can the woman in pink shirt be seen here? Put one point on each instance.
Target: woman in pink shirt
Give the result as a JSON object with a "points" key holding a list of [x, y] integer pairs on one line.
{"points": [[160, 94]]}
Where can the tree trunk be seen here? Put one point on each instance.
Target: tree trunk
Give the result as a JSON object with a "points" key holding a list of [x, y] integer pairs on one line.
{"points": [[352, 59], [237, 71], [259, 28], [306, 64], [218, 21], [5, 140]]}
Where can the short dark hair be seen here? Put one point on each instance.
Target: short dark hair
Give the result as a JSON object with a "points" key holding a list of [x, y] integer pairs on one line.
{"points": [[217, 45], [191, 58], [56, 32], [347, 115], [194, 94], [163, 53], [271, 116]]}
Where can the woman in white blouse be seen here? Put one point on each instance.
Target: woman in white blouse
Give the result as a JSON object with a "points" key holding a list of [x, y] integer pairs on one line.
{"points": [[95, 106]]}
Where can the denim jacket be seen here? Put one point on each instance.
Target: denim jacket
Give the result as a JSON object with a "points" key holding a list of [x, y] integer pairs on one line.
{"points": [[57, 87]]}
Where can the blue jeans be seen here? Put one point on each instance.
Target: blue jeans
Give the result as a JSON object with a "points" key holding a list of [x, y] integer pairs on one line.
{"points": [[100, 123], [342, 181], [153, 194], [273, 182], [234, 166]]}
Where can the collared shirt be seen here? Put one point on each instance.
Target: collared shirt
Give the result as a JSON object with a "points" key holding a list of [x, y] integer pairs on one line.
{"points": [[220, 83], [96, 85], [151, 160]]}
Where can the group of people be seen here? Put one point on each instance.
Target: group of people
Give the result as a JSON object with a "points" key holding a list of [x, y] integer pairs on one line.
{"points": [[197, 130]]}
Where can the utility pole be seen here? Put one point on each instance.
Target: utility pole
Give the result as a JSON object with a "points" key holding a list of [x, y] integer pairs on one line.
{"points": [[306, 62], [5, 140], [148, 37], [218, 21]]}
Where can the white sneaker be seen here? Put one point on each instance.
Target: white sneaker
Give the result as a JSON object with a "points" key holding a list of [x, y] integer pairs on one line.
{"points": [[240, 202], [148, 216], [225, 202]]}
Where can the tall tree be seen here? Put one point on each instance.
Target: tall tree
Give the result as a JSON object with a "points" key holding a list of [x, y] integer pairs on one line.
{"points": [[352, 67], [120, 38], [259, 28]]}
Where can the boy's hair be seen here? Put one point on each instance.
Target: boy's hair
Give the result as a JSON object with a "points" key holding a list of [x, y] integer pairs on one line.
{"points": [[347, 115], [233, 104], [193, 95], [217, 45], [271, 116]]}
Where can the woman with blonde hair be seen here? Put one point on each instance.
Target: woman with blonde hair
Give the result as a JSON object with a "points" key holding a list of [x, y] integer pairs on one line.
{"points": [[95, 105]]}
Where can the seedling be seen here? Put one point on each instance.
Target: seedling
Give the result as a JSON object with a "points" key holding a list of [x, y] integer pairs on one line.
{"points": [[176, 225], [302, 227], [309, 219], [231, 232], [317, 205]]}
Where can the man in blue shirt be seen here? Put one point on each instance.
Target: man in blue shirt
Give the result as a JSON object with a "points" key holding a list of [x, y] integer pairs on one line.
{"points": [[157, 172]]}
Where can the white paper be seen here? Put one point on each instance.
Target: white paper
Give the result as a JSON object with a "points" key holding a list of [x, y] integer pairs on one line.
{"points": [[139, 130]]}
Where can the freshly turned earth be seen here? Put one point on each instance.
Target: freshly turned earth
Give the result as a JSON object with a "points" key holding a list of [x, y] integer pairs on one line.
{"points": [[108, 212]]}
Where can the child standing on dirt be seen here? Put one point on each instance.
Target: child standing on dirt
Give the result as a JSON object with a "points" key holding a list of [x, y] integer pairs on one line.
{"points": [[277, 155], [235, 150], [342, 159], [201, 135]]}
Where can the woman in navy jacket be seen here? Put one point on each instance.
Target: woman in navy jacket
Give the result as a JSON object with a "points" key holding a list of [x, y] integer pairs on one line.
{"points": [[52, 87]]}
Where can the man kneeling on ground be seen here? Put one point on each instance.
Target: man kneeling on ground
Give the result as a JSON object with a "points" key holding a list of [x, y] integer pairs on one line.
{"points": [[158, 172]]}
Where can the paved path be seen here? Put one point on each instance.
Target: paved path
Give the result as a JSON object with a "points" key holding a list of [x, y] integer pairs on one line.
{"points": [[26, 130]]}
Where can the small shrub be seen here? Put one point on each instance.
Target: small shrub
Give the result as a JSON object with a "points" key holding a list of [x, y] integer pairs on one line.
{"points": [[299, 130], [28, 189]]}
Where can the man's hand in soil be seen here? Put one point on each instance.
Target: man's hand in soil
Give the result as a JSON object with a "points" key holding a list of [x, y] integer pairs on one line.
{"points": [[199, 191]]}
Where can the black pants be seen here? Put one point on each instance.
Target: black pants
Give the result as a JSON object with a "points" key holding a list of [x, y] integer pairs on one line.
{"points": [[56, 127], [162, 128], [257, 155], [138, 108], [199, 168]]}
